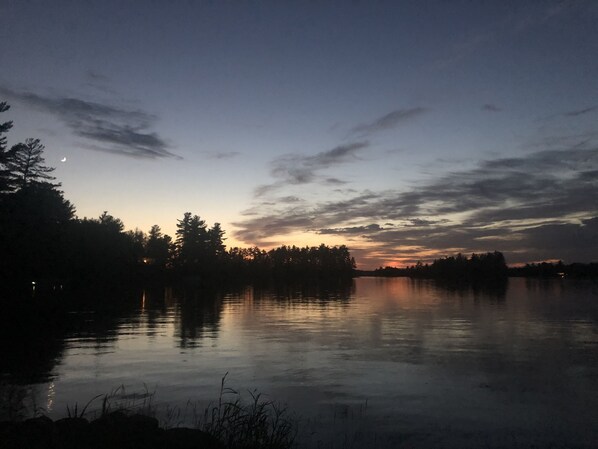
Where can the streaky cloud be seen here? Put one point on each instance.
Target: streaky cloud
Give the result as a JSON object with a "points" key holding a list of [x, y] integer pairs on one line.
{"points": [[580, 111], [99, 82], [94, 76], [104, 127], [295, 169], [264, 189], [222, 155], [371, 228], [290, 199], [491, 108], [390, 120], [301, 168], [529, 207], [334, 181], [424, 222], [271, 226]]}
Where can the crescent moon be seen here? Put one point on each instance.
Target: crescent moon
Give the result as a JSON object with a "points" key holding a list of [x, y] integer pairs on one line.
{"points": [[63, 159]]}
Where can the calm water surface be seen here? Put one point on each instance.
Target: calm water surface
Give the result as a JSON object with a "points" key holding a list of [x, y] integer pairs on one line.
{"points": [[378, 363]]}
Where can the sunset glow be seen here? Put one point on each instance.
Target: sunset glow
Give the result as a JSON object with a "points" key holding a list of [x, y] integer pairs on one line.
{"points": [[406, 132]]}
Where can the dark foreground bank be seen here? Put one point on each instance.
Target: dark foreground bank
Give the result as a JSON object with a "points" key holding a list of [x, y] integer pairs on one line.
{"points": [[114, 430]]}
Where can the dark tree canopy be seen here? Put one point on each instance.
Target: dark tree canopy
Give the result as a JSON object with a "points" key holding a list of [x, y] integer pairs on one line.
{"points": [[191, 243], [5, 126], [486, 266], [26, 164], [158, 248], [34, 224], [5, 154], [41, 239], [107, 220], [215, 240]]}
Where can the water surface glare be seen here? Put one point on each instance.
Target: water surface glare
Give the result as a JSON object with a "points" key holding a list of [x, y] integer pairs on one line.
{"points": [[379, 363]]}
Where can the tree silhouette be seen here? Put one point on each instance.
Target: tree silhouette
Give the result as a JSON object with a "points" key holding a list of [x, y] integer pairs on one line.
{"points": [[5, 154], [157, 248], [42, 241], [34, 224], [4, 127], [479, 267], [26, 164], [215, 238], [191, 243], [114, 224], [99, 251], [137, 240]]}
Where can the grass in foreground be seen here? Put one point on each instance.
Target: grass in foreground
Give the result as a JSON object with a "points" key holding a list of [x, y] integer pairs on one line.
{"points": [[231, 421], [257, 424]]}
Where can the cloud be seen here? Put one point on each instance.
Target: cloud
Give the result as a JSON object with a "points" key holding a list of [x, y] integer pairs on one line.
{"points": [[297, 169], [222, 155], [290, 199], [491, 108], [511, 25], [580, 139], [104, 127], [569, 241], [272, 226], [580, 111], [264, 189], [423, 222], [389, 121], [530, 207], [372, 228], [96, 77], [99, 82], [334, 181]]}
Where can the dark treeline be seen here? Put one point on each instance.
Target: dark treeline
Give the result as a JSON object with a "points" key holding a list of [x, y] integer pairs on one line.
{"points": [[43, 241], [556, 270], [487, 266]]}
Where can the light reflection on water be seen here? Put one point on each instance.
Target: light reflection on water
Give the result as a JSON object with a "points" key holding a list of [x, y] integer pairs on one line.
{"points": [[382, 360]]}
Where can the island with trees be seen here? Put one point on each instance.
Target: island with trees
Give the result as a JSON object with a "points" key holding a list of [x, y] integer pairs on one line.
{"points": [[485, 267]]}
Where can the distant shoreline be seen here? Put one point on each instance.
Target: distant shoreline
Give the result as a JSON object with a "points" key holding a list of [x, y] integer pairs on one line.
{"points": [[462, 269]]}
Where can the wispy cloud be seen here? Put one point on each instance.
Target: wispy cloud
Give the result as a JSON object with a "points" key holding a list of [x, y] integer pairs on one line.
{"points": [[578, 139], [491, 108], [99, 82], [334, 182], [222, 155], [525, 19], [420, 222], [389, 121], [295, 169], [530, 207], [93, 76], [368, 229], [580, 111], [274, 226], [104, 127]]}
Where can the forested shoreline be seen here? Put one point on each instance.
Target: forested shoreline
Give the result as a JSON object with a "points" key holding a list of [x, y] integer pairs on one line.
{"points": [[485, 267], [43, 243]]}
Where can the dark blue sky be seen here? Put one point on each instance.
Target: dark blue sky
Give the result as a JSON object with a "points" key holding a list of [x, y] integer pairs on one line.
{"points": [[406, 130]]}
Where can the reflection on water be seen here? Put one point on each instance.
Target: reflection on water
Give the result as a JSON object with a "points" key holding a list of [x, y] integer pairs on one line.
{"points": [[378, 360]]}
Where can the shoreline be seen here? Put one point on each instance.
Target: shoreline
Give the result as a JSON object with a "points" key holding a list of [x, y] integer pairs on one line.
{"points": [[111, 430]]}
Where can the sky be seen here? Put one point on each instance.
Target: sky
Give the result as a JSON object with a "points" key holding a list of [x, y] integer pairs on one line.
{"points": [[405, 130]]}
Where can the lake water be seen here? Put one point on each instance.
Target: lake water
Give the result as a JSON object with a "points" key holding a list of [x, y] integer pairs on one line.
{"points": [[377, 362]]}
